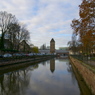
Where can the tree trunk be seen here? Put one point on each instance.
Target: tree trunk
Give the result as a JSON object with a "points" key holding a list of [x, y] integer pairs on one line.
{"points": [[2, 41]]}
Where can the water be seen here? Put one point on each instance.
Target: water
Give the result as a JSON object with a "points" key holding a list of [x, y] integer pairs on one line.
{"points": [[53, 77]]}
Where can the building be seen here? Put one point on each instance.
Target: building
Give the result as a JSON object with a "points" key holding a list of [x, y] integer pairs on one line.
{"points": [[24, 47], [60, 53], [43, 47], [48, 47], [44, 51], [52, 46]]}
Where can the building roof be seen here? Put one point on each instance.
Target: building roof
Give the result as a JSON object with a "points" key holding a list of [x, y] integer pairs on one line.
{"points": [[52, 40]]}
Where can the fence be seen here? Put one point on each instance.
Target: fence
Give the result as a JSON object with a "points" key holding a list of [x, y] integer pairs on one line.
{"points": [[90, 60]]}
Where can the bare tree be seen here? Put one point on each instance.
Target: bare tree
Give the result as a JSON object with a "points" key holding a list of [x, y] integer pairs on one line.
{"points": [[13, 30], [5, 20], [23, 34]]}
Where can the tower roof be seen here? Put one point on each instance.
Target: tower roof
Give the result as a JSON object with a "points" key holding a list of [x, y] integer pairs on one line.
{"points": [[52, 40], [52, 70]]}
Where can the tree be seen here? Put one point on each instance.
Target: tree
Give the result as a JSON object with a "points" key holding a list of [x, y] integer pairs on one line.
{"points": [[87, 15], [5, 20], [74, 44], [84, 27], [75, 26], [14, 29], [35, 49], [21, 35], [87, 30]]}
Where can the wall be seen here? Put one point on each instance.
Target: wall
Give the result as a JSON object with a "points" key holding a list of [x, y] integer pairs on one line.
{"points": [[87, 72]]}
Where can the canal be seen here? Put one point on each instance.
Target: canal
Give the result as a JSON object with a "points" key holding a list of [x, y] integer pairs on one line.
{"points": [[52, 77]]}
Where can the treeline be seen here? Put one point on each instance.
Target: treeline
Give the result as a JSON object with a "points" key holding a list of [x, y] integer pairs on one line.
{"points": [[11, 29], [83, 36]]}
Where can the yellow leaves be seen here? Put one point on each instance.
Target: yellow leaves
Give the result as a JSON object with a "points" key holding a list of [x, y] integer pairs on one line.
{"points": [[88, 39], [84, 27]]}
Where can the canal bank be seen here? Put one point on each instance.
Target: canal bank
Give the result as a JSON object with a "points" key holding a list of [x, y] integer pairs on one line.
{"points": [[33, 59], [51, 77], [87, 72]]}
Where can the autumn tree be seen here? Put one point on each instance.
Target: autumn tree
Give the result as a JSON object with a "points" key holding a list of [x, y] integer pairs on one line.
{"points": [[84, 27], [87, 18], [35, 49]]}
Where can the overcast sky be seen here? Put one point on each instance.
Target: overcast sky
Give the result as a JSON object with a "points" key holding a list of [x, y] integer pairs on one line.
{"points": [[45, 19]]}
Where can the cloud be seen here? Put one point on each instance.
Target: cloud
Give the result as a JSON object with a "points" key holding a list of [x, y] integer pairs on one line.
{"points": [[46, 83], [45, 19]]}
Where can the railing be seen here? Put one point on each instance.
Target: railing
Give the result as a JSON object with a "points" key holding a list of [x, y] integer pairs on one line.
{"points": [[86, 59]]}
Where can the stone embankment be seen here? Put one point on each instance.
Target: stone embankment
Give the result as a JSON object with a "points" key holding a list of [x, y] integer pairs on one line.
{"points": [[87, 72], [12, 61]]}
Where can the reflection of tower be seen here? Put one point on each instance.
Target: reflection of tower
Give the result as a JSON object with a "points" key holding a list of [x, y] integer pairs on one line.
{"points": [[52, 65], [52, 46]]}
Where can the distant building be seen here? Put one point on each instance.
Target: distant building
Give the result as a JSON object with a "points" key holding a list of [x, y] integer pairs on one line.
{"points": [[52, 46], [43, 47], [44, 51], [48, 47], [24, 47], [64, 52]]}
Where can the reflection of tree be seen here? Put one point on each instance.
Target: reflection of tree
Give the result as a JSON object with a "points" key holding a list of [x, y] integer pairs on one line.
{"points": [[31, 68], [52, 65], [1, 83], [70, 70], [15, 82], [44, 63]]}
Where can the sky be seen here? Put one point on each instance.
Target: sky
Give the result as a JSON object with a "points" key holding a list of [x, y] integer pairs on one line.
{"points": [[45, 19]]}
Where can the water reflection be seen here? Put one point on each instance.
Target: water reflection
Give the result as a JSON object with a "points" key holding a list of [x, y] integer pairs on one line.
{"points": [[52, 65], [70, 70], [53, 77], [14, 82]]}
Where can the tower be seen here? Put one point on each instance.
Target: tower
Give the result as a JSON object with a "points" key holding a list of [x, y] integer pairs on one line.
{"points": [[52, 46]]}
